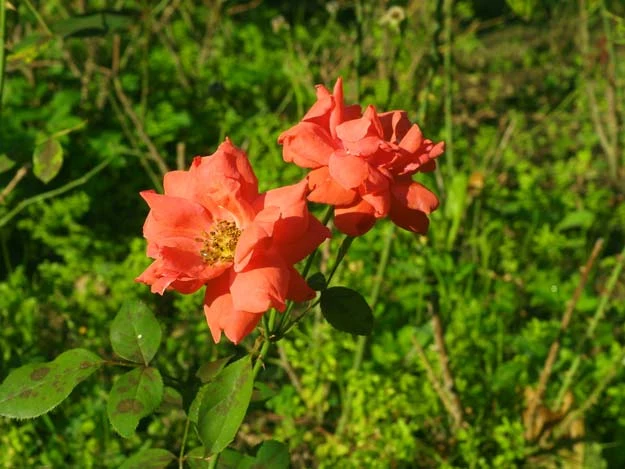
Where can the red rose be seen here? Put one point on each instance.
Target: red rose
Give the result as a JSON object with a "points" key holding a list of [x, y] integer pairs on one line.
{"points": [[362, 163], [213, 228]]}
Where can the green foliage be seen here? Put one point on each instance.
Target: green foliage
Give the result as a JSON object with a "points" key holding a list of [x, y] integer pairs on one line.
{"points": [[134, 395], [346, 310], [35, 389], [532, 192], [135, 333], [220, 406]]}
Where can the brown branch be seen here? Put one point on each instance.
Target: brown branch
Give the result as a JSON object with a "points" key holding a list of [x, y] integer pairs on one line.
{"points": [[127, 106], [448, 380], [181, 148], [436, 384], [545, 374], [19, 175], [284, 363]]}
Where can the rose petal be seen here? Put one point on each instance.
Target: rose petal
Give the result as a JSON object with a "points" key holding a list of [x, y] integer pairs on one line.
{"points": [[355, 220], [298, 288], [263, 285], [414, 196], [408, 219], [301, 246], [307, 145], [325, 190], [348, 170]]}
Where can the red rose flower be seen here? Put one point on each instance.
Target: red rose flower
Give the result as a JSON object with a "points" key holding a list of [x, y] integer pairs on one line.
{"points": [[213, 228], [362, 163]]}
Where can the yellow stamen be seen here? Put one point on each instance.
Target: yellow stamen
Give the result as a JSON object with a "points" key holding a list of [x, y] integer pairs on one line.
{"points": [[219, 244]]}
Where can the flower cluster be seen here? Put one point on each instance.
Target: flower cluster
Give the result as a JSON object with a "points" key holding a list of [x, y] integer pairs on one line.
{"points": [[212, 228]]}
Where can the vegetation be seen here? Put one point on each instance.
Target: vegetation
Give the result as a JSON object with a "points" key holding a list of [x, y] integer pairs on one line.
{"points": [[498, 338]]}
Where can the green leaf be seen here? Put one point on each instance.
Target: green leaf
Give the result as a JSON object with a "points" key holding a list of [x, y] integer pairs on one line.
{"points": [[196, 459], [209, 370], [455, 205], [272, 455], [35, 389], [347, 310], [523, 8], [231, 459], [93, 24], [135, 333], [47, 159], [29, 48], [317, 281], [616, 7], [134, 395], [5, 163], [152, 458], [578, 219], [222, 405]]}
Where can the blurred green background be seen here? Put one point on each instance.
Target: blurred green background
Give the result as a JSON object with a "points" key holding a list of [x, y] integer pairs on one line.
{"points": [[529, 97]]}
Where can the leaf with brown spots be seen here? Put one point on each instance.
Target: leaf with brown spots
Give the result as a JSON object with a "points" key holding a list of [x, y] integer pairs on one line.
{"points": [[220, 406], [35, 389], [153, 458], [134, 395]]}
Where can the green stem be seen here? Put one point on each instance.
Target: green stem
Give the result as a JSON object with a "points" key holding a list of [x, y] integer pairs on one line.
{"points": [[362, 340], [605, 298], [2, 57], [184, 443], [449, 147], [212, 464], [53, 193], [266, 343], [40, 20]]}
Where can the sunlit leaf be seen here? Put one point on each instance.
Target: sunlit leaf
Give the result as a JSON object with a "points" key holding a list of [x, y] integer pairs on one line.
{"points": [[47, 159], [134, 395], [5, 163], [211, 369], [135, 333], [222, 405], [35, 389], [346, 310]]}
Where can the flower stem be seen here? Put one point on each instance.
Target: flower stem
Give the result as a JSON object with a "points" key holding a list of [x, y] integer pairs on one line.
{"points": [[184, 442], [362, 340], [266, 343]]}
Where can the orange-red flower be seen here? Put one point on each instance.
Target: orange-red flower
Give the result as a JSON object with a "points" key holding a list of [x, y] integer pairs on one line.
{"points": [[213, 228], [362, 163]]}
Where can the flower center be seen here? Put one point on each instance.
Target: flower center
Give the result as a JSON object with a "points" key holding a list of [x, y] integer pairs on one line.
{"points": [[219, 244]]}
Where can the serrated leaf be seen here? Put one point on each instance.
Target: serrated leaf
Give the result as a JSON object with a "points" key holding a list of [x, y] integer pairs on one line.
{"points": [[135, 333], [223, 403], [272, 455], [47, 159], [317, 281], [35, 389], [346, 310], [5, 162], [152, 458], [134, 395], [209, 370]]}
